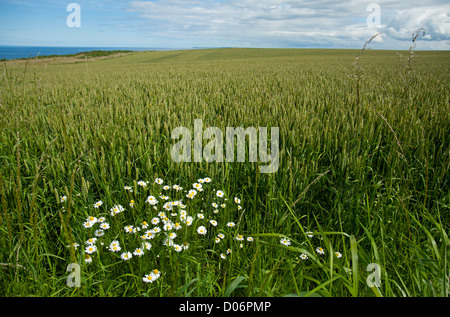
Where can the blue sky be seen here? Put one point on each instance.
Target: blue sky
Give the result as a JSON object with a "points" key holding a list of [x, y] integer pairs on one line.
{"points": [[226, 23]]}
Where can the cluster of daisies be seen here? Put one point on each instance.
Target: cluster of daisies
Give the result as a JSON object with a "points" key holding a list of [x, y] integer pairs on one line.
{"points": [[303, 256], [171, 223]]}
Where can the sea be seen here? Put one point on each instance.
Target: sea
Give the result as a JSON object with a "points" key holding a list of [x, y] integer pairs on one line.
{"points": [[12, 52]]}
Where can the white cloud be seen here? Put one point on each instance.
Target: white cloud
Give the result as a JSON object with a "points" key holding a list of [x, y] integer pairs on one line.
{"points": [[270, 23], [435, 20]]}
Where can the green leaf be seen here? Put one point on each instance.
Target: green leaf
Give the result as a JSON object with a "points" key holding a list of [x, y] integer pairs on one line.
{"points": [[354, 250], [185, 287], [233, 285]]}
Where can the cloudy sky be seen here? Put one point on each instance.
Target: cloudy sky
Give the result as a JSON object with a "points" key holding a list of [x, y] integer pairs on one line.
{"points": [[226, 23]]}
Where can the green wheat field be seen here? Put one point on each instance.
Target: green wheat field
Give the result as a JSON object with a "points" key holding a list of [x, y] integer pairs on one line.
{"points": [[359, 206]]}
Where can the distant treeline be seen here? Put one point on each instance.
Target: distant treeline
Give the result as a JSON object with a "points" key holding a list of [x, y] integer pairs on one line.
{"points": [[89, 54]]}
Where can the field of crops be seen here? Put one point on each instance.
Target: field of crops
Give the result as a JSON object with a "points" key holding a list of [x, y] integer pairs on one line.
{"points": [[359, 204]]}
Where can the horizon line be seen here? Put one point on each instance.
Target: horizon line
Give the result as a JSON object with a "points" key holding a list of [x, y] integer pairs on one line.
{"points": [[216, 47]]}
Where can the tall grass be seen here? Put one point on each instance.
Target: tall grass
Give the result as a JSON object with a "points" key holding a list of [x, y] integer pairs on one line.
{"points": [[366, 173]]}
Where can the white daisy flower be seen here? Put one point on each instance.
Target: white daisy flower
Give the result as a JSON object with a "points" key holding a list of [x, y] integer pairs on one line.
{"points": [[168, 226], [155, 220], [320, 250], [153, 276], [177, 226], [200, 216], [207, 179], [150, 234], [126, 256], [197, 186], [220, 193], [191, 194], [231, 224], [185, 245], [249, 239], [128, 188], [309, 234], [63, 199], [128, 229], [114, 243], [138, 252], [180, 204], [147, 245], [213, 222], [201, 230], [338, 255], [99, 233], [156, 273], [116, 210], [285, 241], [237, 200], [239, 237], [151, 200], [167, 206], [101, 219], [142, 183], [90, 249], [87, 258], [114, 247], [148, 278], [98, 204], [221, 235], [159, 181], [177, 247], [88, 224], [223, 256], [168, 242], [303, 256], [92, 219]]}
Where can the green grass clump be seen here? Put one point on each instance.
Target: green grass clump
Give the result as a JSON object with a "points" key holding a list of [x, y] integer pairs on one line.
{"points": [[363, 172]]}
